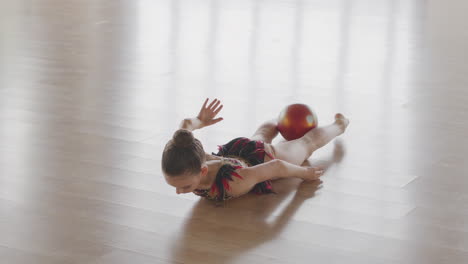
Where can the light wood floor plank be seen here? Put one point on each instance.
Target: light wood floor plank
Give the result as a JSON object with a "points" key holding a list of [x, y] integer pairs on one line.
{"points": [[90, 92]]}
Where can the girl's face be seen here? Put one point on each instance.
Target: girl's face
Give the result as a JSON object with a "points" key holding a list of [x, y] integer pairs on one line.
{"points": [[186, 183]]}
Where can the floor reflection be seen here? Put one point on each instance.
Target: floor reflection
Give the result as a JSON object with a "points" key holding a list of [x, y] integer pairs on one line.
{"points": [[245, 223]]}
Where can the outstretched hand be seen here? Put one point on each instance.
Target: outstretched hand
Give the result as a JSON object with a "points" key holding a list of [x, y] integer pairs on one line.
{"points": [[313, 173], [208, 112]]}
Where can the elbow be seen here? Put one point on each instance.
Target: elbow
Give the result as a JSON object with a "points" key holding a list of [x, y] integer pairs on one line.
{"points": [[186, 123], [279, 167]]}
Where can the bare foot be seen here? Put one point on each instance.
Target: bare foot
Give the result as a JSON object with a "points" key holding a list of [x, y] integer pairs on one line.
{"points": [[312, 173], [341, 120]]}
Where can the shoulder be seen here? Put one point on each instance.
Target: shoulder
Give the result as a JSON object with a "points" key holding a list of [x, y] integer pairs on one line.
{"points": [[212, 157]]}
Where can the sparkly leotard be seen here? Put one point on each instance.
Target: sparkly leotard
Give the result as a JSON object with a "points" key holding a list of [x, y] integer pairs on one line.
{"points": [[237, 153]]}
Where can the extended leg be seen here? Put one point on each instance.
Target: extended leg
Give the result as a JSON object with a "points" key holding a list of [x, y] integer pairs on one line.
{"points": [[299, 150]]}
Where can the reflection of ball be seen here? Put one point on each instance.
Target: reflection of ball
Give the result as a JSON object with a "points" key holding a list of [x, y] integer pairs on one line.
{"points": [[295, 120]]}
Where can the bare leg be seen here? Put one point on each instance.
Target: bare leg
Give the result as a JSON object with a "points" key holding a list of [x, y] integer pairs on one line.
{"points": [[299, 150], [266, 132]]}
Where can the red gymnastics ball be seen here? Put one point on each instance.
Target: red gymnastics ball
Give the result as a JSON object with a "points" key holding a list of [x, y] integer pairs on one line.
{"points": [[295, 120]]}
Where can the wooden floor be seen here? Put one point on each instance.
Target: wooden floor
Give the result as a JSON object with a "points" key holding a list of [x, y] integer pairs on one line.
{"points": [[90, 91]]}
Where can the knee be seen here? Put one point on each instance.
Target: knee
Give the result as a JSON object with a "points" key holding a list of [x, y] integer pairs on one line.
{"points": [[266, 132], [269, 129], [270, 125]]}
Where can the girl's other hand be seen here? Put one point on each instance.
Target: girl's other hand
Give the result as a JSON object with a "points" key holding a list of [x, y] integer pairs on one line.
{"points": [[208, 112]]}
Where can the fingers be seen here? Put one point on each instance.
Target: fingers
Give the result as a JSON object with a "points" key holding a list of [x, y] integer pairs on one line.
{"points": [[315, 173], [215, 105], [204, 104], [217, 110], [214, 121], [319, 171], [212, 103]]}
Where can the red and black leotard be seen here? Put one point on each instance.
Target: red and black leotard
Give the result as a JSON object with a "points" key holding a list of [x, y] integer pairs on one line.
{"points": [[252, 152]]}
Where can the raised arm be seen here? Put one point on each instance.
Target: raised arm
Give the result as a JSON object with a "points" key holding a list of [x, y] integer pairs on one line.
{"points": [[206, 116]]}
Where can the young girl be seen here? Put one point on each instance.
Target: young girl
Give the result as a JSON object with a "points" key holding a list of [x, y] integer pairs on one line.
{"points": [[243, 165]]}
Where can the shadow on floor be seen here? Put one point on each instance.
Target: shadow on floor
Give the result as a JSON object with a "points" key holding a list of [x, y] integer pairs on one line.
{"points": [[223, 234]]}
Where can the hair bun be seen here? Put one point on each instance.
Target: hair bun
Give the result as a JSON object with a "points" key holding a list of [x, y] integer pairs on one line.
{"points": [[183, 138]]}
